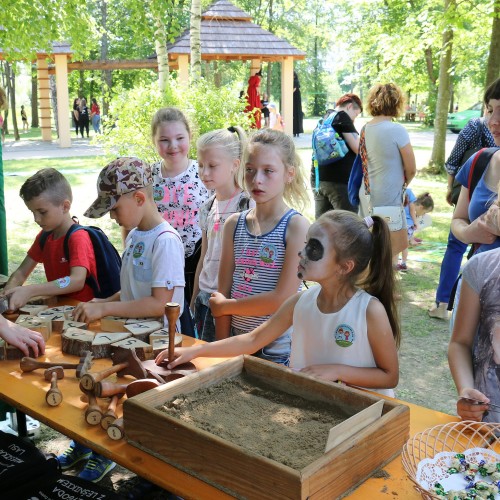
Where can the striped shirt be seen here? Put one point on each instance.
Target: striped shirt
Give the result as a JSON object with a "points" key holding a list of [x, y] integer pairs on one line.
{"points": [[258, 263]]}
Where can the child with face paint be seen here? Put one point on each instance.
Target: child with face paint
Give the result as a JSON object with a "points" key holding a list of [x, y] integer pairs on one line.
{"points": [[346, 328], [260, 246], [219, 158]]}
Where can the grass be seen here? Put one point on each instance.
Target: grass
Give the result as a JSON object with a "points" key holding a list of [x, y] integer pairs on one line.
{"points": [[425, 377]]}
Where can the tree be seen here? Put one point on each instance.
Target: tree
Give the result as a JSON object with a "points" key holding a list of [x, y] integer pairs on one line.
{"points": [[195, 41], [438, 148], [493, 66]]}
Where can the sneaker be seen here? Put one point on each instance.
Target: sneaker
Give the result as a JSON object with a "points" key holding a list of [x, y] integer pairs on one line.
{"points": [[96, 468], [439, 311], [402, 267], [73, 455]]}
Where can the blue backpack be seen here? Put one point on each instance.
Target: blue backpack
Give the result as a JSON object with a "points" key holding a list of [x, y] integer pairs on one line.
{"points": [[108, 260], [328, 146]]}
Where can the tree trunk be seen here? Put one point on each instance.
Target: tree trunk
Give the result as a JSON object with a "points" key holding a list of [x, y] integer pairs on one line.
{"points": [[195, 40], [161, 53], [11, 86], [493, 67], [81, 83], [217, 75], [443, 98], [106, 74], [34, 99]]}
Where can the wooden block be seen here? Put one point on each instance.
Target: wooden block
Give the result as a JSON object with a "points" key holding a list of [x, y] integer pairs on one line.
{"points": [[49, 301], [76, 340], [32, 310], [37, 324], [141, 348], [74, 324], [57, 319], [113, 324], [101, 345], [142, 331], [13, 353], [160, 334], [67, 311]]}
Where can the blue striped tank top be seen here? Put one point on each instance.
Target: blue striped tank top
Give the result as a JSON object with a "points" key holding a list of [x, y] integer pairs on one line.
{"points": [[258, 263]]}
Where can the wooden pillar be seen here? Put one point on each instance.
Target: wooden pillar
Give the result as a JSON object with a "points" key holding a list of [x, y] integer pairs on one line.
{"points": [[63, 117], [44, 98], [287, 93], [255, 65], [183, 69]]}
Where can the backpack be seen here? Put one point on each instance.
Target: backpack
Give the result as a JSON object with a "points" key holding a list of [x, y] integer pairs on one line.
{"points": [[108, 260], [328, 145], [20, 460]]}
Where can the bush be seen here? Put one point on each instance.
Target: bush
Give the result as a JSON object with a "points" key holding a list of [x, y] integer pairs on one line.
{"points": [[127, 128]]}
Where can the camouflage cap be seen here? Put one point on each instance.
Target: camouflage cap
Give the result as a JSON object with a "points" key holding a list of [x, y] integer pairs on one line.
{"points": [[123, 175]]}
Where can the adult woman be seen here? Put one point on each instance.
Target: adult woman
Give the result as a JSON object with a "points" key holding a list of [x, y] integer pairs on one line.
{"points": [[388, 156], [95, 115], [476, 220], [332, 190], [76, 114], [84, 116], [253, 99]]}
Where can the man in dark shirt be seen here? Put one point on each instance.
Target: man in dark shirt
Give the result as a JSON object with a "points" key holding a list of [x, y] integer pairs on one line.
{"points": [[333, 178]]}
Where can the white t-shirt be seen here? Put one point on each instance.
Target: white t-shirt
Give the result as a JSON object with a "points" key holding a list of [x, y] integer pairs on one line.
{"points": [[213, 215], [179, 200], [335, 338], [153, 259]]}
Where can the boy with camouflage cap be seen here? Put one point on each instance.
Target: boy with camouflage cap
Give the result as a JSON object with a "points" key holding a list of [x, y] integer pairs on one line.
{"points": [[152, 271]]}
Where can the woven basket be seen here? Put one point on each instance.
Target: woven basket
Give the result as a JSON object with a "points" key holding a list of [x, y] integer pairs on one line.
{"points": [[454, 437]]}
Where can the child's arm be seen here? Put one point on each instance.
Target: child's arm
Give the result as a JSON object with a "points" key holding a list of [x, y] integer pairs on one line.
{"points": [[147, 307], [381, 339], [20, 295], [266, 303], [20, 275], [413, 215], [199, 267], [247, 343], [459, 354]]}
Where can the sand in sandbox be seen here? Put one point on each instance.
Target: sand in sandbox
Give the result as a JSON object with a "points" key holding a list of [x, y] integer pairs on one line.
{"points": [[286, 428]]}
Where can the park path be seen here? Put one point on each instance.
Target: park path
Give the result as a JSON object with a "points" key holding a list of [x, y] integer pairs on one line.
{"points": [[32, 149]]}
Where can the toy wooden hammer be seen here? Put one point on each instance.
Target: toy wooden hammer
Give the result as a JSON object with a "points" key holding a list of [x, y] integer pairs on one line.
{"points": [[29, 364], [54, 396], [125, 362]]}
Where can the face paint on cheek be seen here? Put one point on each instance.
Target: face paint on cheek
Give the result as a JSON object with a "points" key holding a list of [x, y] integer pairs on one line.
{"points": [[314, 250]]}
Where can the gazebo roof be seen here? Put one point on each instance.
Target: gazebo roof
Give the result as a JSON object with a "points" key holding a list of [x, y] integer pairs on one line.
{"points": [[228, 33]]}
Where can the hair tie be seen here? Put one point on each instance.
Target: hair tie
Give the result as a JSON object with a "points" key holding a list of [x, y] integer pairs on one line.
{"points": [[368, 221], [231, 129]]}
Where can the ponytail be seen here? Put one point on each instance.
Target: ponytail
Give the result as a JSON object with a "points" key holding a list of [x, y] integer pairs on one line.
{"points": [[380, 281]]}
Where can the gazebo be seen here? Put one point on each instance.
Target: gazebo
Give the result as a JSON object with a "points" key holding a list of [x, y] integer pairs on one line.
{"points": [[228, 34]]}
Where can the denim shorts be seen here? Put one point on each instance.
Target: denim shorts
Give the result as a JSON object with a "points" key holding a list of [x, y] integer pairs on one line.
{"points": [[277, 351], [205, 323]]}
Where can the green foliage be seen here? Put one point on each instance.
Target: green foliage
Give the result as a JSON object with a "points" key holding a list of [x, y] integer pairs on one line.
{"points": [[127, 131]]}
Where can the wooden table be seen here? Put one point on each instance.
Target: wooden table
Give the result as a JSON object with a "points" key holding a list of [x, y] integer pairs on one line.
{"points": [[26, 392]]}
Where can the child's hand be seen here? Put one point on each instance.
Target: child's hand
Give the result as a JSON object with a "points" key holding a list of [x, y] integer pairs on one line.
{"points": [[18, 297], [88, 311], [325, 372], [216, 302], [471, 410], [181, 355], [492, 219], [23, 339]]}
